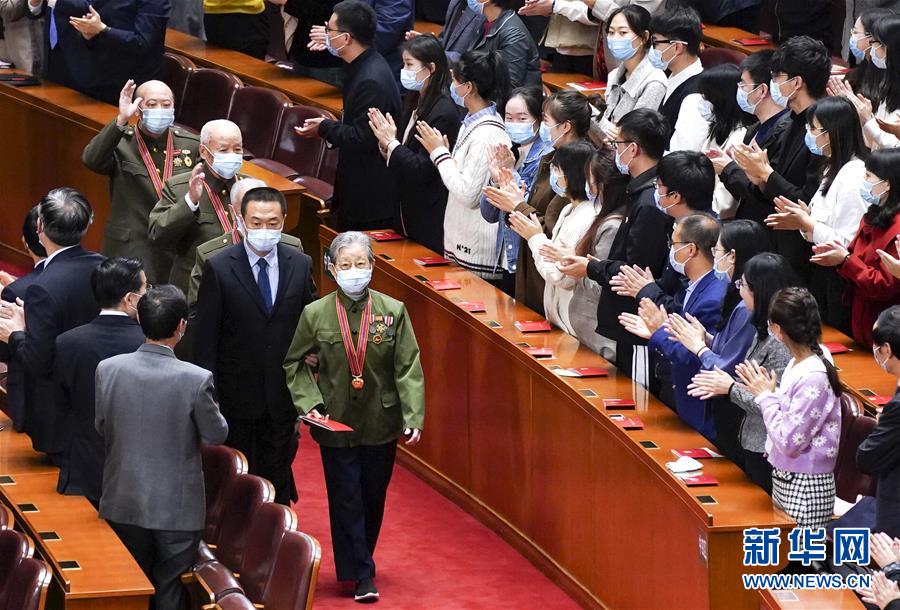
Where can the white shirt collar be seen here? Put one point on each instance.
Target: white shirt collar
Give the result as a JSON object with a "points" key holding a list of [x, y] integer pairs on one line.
{"points": [[676, 80], [253, 257], [112, 312], [42, 262], [52, 256]]}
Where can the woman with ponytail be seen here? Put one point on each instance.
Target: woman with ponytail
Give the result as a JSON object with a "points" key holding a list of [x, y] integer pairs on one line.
{"points": [[802, 413]]}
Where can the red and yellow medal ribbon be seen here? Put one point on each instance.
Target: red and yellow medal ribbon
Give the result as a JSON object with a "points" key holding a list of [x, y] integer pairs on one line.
{"points": [[155, 177], [356, 356], [220, 212]]}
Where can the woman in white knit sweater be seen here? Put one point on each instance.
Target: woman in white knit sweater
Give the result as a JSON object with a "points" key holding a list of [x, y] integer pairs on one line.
{"points": [[568, 178], [480, 82]]}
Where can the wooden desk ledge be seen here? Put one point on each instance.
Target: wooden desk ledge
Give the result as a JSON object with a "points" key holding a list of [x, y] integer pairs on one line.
{"points": [[427, 27]]}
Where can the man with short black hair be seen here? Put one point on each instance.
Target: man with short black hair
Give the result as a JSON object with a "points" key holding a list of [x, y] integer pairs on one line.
{"points": [[118, 285], [675, 37], [18, 381], [153, 411], [60, 299], [800, 70], [370, 83], [249, 303]]}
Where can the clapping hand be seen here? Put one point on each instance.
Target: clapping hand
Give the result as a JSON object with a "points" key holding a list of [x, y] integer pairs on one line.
{"points": [[838, 86], [790, 216], [88, 26], [885, 550], [831, 254], [12, 318], [754, 161], [689, 332], [630, 280], [500, 157], [882, 592], [526, 226], [538, 8], [317, 38], [556, 253], [718, 159], [707, 384], [382, 126], [755, 378], [891, 264], [430, 138], [575, 266]]}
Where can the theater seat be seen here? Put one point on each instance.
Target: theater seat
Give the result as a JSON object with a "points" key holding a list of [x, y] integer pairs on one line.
{"points": [[174, 71], [220, 465], [855, 427], [243, 496], [716, 56], [7, 521], [14, 547], [28, 590], [292, 583], [207, 96], [264, 535], [257, 111]]}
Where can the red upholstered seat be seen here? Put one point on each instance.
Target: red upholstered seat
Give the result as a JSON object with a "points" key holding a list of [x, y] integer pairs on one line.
{"points": [[257, 111], [14, 547], [716, 56], [244, 495], [207, 96], [7, 521], [174, 71], [28, 590], [220, 465], [855, 427]]}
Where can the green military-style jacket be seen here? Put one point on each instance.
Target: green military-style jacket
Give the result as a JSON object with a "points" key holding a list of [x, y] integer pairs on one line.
{"points": [[114, 152], [393, 397], [174, 227], [207, 249]]}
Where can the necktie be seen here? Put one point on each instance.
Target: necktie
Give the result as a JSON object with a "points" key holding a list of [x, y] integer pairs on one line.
{"points": [[54, 37], [262, 279]]}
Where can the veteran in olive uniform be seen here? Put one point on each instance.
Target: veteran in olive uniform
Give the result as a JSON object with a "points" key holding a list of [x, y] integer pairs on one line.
{"points": [[375, 386], [138, 160], [195, 207]]}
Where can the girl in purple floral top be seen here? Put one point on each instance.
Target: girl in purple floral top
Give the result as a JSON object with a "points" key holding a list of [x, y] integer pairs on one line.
{"points": [[803, 417]]}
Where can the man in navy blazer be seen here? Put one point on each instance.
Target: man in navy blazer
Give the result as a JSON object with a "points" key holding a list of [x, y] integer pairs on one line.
{"points": [[118, 285], [16, 377], [462, 29], [60, 299], [95, 47], [249, 303]]}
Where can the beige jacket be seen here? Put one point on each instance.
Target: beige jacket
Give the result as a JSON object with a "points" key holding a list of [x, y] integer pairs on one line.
{"points": [[23, 42]]}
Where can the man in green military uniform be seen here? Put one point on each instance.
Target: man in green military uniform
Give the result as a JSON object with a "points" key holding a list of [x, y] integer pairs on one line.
{"points": [[195, 207], [370, 379], [138, 160]]}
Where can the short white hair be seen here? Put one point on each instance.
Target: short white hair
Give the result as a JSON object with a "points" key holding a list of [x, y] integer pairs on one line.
{"points": [[216, 126], [348, 239], [240, 188]]}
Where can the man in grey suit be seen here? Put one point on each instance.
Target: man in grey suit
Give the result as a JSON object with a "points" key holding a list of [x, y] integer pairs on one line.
{"points": [[153, 411]]}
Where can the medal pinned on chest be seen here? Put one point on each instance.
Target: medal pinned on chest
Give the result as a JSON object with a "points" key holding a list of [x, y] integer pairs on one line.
{"points": [[356, 355], [381, 327]]}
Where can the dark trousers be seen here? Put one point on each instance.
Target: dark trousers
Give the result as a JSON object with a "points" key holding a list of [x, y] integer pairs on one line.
{"points": [[758, 469], [728, 418], [506, 283], [248, 34], [581, 64], [164, 556], [270, 448], [369, 225], [357, 479]]}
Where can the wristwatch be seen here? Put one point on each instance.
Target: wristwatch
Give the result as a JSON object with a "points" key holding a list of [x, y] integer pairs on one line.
{"points": [[104, 30]]}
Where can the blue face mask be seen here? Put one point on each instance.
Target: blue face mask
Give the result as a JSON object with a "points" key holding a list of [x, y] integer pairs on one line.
{"points": [[656, 59], [707, 113], [554, 183], [547, 136], [678, 267], [656, 200], [589, 191], [777, 97], [743, 100], [408, 79], [880, 62], [854, 48], [865, 192], [475, 6], [621, 48], [157, 120], [721, 275], [460, 100], [520, 133], [811, 144], [227, 164], [330, 48], [620, 165]]}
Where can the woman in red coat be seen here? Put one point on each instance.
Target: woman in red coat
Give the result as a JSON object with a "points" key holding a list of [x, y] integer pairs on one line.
{"points": [[870, 286]]}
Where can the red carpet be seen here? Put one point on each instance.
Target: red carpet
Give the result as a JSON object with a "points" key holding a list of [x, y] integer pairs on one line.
{"points": [[431, 554]]}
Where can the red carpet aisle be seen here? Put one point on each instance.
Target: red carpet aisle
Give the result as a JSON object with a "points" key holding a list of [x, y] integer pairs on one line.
{"points": [[431, 554]]}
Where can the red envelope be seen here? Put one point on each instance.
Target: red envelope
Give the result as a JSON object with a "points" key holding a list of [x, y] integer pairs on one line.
{"points": [[386, 235], [697, 454], [536, 326], [700, 480], [444, 285], [592, 371], [432, 261], [879, 400], [836, 348], [618, 403], [630, 423], [472, 306], [751, 42], [541, 353], [327, 424]]}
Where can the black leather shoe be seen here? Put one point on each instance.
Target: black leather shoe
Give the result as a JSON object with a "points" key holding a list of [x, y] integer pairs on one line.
{"points": [[366, 593]]}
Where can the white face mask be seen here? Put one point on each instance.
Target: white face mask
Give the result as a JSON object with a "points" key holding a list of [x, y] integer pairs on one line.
{"points": [[353, 282], [263, 240]]}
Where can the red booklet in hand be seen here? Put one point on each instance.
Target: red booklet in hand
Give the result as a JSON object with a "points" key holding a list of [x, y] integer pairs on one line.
{"points": [[444, 285], [698, 454], [699, 480], [385, 235], [473, 306], [536, 326], [327, 424], [618, 403], [432, 261], [836, 348], [541, 353]]}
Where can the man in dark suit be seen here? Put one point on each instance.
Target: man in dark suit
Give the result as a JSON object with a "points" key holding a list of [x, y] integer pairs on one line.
{"points": [[248, 306], [370, 83], [95, 47], [118, 285], [153, 411], [60, 299], [462, 29], [17, 382]]}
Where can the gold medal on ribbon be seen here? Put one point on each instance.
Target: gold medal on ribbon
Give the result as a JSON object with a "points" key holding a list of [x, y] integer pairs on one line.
{"points": [[356, 355]]}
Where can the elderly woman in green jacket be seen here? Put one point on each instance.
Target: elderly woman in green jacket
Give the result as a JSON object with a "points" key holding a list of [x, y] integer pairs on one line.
{"points": [[370, 379]]}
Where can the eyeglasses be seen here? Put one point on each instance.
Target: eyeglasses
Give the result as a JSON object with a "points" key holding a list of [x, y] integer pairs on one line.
{"points": [[668, 192], [329, 30], [677, 243], [670, 41], [853, 32], [748, 87], [613, 143]]}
